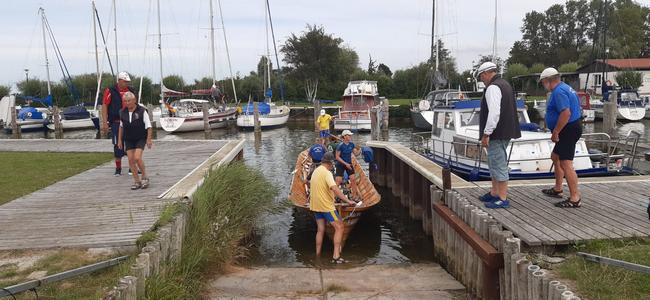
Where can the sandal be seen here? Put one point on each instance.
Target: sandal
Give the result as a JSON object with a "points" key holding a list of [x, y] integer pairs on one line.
{"points": [[552, 192], [136, 186], [339, 260], [145, 183], [568, 204]]}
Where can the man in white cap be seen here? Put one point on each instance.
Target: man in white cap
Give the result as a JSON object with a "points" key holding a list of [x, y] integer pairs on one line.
{"points": [[344, 153], [563, 115], [113, 103], [498, 124], [323, 124]]}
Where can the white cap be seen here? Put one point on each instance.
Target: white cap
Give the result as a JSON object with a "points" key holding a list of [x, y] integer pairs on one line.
{"points": [[124, 76], [548, 72], [486, 66], [346, 132], [322, 112]]}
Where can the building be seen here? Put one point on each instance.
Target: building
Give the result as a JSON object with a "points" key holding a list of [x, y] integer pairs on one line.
{"points": [[609, 68]]}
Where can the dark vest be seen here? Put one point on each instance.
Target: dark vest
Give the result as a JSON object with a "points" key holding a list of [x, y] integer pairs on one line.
{"points": [[133, 130], [116, 103], [508, 125]]}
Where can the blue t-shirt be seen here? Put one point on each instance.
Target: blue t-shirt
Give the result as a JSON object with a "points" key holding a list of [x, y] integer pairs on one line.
{"points": [[346, 152], [316, 152], [562, 97]]}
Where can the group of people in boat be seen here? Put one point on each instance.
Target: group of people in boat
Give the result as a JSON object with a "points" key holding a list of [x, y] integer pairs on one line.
{"points": [[326, 181], [498, 125]]}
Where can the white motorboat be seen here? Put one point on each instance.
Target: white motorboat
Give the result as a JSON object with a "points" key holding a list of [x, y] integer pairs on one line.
{"points": [[422, 114], [358, 98], [29, 118], [270, 115], [630, 106]]}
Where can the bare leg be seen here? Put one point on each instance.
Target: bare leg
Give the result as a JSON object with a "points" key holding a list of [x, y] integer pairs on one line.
{"points": [[320, 223], [502, 188], [140, 162], [571, 179], [339, 180], [559, 171], [494, 191], [353, 186], [133, 164], [338, 238]]}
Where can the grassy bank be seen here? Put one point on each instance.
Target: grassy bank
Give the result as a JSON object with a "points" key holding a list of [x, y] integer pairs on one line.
{"points": [[223, 214], [25, 172], [596, 281]]}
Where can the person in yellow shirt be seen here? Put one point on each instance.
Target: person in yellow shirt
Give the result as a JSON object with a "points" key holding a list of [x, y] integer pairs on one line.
{"points": [[323, 124], [321, 203]]}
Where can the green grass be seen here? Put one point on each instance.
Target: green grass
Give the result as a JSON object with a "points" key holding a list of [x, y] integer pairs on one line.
{"points": [[596, 281], [26, 172], [223, 214]]}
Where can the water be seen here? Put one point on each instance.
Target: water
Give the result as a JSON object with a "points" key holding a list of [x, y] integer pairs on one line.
{"points": [[385, 234]]}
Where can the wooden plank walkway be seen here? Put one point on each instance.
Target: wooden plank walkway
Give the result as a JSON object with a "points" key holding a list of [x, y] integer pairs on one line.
{"points": [[612, 208], [96, 209]]}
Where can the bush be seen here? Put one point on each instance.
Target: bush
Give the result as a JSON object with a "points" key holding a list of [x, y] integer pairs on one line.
{"points": [[536, 68], [514, 70], [568, 67]]}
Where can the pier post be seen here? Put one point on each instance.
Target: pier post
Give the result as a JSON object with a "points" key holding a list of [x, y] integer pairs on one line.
{"points": [[256, 118], [374, 124], [316, 114], [206, 120], [610, 111], [56, 116], [154, 130], [15, 128], [102, 133], [384, 120]]}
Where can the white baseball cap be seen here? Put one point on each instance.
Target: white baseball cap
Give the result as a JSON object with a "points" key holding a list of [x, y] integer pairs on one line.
{"points": [[124, 76], [486, 66], [322, 112], [346, 132], [548, 72]]}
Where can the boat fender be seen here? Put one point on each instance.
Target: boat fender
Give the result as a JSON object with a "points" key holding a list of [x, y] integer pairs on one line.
{"points": [[368, 155], [596, 155]]}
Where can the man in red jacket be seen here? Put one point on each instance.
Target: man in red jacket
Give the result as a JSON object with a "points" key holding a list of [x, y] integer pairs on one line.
{"points": [[113, 103]]}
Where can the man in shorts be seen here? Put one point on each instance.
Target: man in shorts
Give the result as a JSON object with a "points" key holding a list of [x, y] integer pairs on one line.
{"points": [[323, 124], [321, 203], [344, 152], [563, 115]]}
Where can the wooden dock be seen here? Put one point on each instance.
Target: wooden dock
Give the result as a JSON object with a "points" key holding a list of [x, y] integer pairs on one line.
{"points": [[96, 209]]}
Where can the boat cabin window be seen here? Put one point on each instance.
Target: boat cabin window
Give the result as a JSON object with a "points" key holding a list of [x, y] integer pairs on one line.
{"points": [[628, 96], [470, 118], [442, 120]]}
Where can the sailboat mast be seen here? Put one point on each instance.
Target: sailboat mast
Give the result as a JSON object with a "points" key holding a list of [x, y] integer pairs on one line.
{"points": [[225, 41], [494, 40], [162, 93], [47, 62], [268, 53], [117, 65], [99, 75], [435, 34], [214, 76]]}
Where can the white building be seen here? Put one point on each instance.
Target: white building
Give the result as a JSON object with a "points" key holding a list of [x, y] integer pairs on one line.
{"points": [[599, 71]]}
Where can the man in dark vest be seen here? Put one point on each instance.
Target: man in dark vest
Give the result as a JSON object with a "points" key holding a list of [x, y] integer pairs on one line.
{"points": [[498, 124], [113, 103]]}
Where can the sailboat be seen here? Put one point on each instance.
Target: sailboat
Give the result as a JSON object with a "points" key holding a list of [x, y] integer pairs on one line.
{"points": [[188, 114], [270, 114]]}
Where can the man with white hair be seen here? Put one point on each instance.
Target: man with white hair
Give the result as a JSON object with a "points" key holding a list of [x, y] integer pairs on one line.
{"points": [[498, 124], [563, 115]]}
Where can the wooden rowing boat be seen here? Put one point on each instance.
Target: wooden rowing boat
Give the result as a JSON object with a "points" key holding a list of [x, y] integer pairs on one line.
{"points": [[299, 194]]}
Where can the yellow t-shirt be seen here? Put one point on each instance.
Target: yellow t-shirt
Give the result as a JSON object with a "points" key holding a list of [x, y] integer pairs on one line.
{"points": [[321, 197], [324, 121]]}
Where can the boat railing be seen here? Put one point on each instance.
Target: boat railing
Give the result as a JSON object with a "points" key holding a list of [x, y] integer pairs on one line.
{"points": [[615, 154]]}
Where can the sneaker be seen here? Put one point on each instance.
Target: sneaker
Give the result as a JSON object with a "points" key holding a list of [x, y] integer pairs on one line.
{"points": [[130, 173], [339, 260], [488, 198], [498, 204], [118, 172]]}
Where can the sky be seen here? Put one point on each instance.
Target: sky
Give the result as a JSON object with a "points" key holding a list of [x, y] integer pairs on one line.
{"points": [[396, 33]]}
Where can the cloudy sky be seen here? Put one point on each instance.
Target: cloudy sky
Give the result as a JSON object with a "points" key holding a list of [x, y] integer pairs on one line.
{"points": [[396, 33]]}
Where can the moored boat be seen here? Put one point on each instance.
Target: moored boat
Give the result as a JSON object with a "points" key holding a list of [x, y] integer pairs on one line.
{"points": [[189, 116], [358, 98], [299, 193], [630, 106]]}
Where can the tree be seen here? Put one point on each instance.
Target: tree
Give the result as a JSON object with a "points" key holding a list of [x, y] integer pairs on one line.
{"points": [[33, 87], [536, 68], [629, 79], [372, 68], [514, 70], [174, 82], [382, 68], [568, 67], [4, 90]]}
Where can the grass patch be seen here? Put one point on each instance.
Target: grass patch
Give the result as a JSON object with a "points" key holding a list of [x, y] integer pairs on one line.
{"points": [[223, 214], [596, 281], [335, 288], [27, 172]]}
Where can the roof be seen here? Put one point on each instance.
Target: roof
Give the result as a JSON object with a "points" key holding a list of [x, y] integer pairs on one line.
{"points": [[613, 65]]}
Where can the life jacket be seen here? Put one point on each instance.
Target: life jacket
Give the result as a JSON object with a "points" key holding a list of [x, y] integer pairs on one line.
{"points": [[133, 130], [116, 103]]}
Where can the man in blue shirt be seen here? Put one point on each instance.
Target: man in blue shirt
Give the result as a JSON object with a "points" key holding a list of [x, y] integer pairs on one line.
{"points": [[344, 153], [563, 115]]}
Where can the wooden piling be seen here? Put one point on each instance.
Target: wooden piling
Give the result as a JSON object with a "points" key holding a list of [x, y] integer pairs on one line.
{"points": [[610, 112], [512, 247], [144, 260], [550, 289], [206, 120], [56, 116], [529, 279], [557, 293], [374, 125], [256, 117], [15, 128], [384, 121], [103, 133], [537, 287], [522, 278], [154, 131]]}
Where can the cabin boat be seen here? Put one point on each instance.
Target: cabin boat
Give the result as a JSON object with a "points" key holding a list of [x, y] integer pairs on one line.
{"points": [[188, 116], [358, 98], [454, 141], [422, 113], [270, 115], [299, 193], [630, 106], [29, 118], [588, 113], [76, 117]]}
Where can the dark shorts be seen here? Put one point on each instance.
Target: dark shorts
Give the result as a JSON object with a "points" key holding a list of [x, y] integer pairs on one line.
{"points": [[330, 216], [324, 133], [130, 145], [117, 152], [569, 136], [340, 169]]}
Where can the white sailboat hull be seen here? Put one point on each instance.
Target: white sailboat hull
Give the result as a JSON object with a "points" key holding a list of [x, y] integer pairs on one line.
{"points": [[625, 113], [278, 116], [74, 124], [194, 122], [352, 124]]}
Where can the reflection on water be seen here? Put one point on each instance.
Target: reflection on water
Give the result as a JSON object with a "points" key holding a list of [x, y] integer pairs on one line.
{"points": [[384, 234]]}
